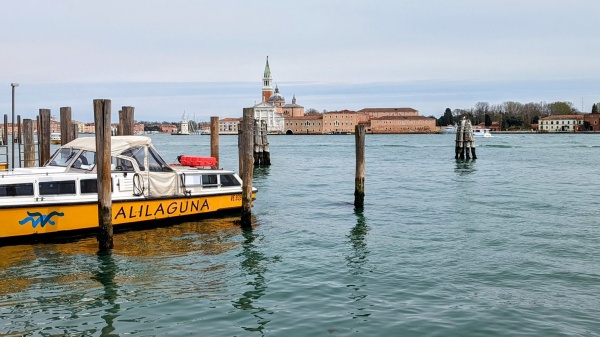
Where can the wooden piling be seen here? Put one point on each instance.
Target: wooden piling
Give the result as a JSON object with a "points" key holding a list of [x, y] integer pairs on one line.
{"points": [[359, 180], [19, 139], [262, 156], [29, 144], [214, 138], [65, 125], [74, 130], [126, 121], [44, 136], [103, 134], [465, 141], [5, 133], [248, 167]]}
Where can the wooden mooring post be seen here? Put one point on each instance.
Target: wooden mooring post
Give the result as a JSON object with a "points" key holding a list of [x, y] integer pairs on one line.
{"points": [[44, 136], [359, 179], [19, 139], [214, 138], [247, 144], [465, 141], [5, 131], [103, 133], [126, 121], [262, 155], [65, 125], [29, 144]]}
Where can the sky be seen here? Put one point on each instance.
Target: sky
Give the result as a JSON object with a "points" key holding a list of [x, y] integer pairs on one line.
{"points": [[206, 58]]}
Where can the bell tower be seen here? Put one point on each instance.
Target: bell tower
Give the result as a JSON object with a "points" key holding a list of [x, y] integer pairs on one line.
{"points": [[267, 89]]}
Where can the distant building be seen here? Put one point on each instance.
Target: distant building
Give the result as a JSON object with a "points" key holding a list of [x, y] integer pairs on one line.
{"points": [[384, 112], [561, 123], [168, 128], [592, 121], [273, 109], [229, 126], [403, 124]]}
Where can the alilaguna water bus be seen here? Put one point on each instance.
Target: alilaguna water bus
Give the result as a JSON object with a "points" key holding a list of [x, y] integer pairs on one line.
{"points": [[61, 196]]}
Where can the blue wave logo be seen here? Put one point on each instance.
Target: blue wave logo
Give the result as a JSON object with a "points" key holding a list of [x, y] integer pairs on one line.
{"points": [[41, 219]]}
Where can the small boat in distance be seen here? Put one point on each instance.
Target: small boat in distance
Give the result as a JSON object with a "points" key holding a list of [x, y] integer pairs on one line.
{"points": [[61, 197], [55, 138], [205, 132], [482, 133], [450, 129]]}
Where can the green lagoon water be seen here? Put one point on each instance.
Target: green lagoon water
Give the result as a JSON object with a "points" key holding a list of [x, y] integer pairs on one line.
{"points": [[507, 245]]}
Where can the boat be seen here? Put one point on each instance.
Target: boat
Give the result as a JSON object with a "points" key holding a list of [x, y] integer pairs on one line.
{"points": [[183, 128], [61, 197], [55, 138], [482, 133], [205, 132], [450, 129]]}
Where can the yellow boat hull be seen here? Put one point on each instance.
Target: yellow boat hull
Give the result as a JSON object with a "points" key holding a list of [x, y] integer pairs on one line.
{"points": [[61, 218]]}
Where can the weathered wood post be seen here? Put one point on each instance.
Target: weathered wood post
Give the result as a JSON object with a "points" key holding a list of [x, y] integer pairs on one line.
{"points": [[19, 139], [214, 138], [44, 136], [74, 130], [126, 121], [262, 156], [465, 141], [103, 133], [5, 133], [29, 144], [359, 180], [65, 125], [248, 167]]}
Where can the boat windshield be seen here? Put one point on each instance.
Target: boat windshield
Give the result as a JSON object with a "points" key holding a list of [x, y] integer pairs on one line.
{"points": [[138, 154], [63, 156]]}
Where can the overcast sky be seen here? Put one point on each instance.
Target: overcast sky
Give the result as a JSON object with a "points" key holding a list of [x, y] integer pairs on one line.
{"points": [[207, 57]]}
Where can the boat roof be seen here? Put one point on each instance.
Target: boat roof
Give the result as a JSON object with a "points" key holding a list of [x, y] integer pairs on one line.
{"points": [[118, 144]]}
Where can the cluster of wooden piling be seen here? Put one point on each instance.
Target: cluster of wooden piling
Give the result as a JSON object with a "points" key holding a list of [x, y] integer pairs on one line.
{"points": [[465, 141], [262, 154]]}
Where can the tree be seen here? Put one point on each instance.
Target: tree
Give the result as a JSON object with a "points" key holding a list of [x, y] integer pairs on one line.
{"points": [[446, 118], [595, 108], [488, 120]]}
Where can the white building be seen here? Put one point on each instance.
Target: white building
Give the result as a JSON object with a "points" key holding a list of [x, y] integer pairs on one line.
{"points": [[560, 123], [267, 109]]}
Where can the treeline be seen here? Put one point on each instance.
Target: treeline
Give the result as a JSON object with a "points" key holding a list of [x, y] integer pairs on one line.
{"points": [[510, 115]]}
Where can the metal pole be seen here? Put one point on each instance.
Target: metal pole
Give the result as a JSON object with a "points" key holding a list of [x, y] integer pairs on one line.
{"points": [[13, 85]]}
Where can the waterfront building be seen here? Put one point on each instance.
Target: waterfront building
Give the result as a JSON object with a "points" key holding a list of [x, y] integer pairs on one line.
{"points": [[229, 126], [384, 112], [561, 123], [592, 121], [341, 122], [403, 124], [307, 125], [272, 108]]}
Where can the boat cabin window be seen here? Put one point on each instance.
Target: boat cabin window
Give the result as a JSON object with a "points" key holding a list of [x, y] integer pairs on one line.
{"points": [[88, 186], [229, 180], [85, 161], [63, 156], [209, 180], [16, 190], [121, 165], [137, 153], [57, 187], [156, 163]]}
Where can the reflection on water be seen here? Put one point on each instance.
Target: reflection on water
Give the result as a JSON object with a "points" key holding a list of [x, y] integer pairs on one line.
{"points": [[254, 264], [357, 261], [465, 166], [106, 276]]}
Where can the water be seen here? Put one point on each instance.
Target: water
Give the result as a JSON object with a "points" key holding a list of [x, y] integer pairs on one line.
{"points": [[507, 245]]}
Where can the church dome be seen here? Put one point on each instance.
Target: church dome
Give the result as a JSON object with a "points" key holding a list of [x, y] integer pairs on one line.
{"points": [[276, 97]]}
